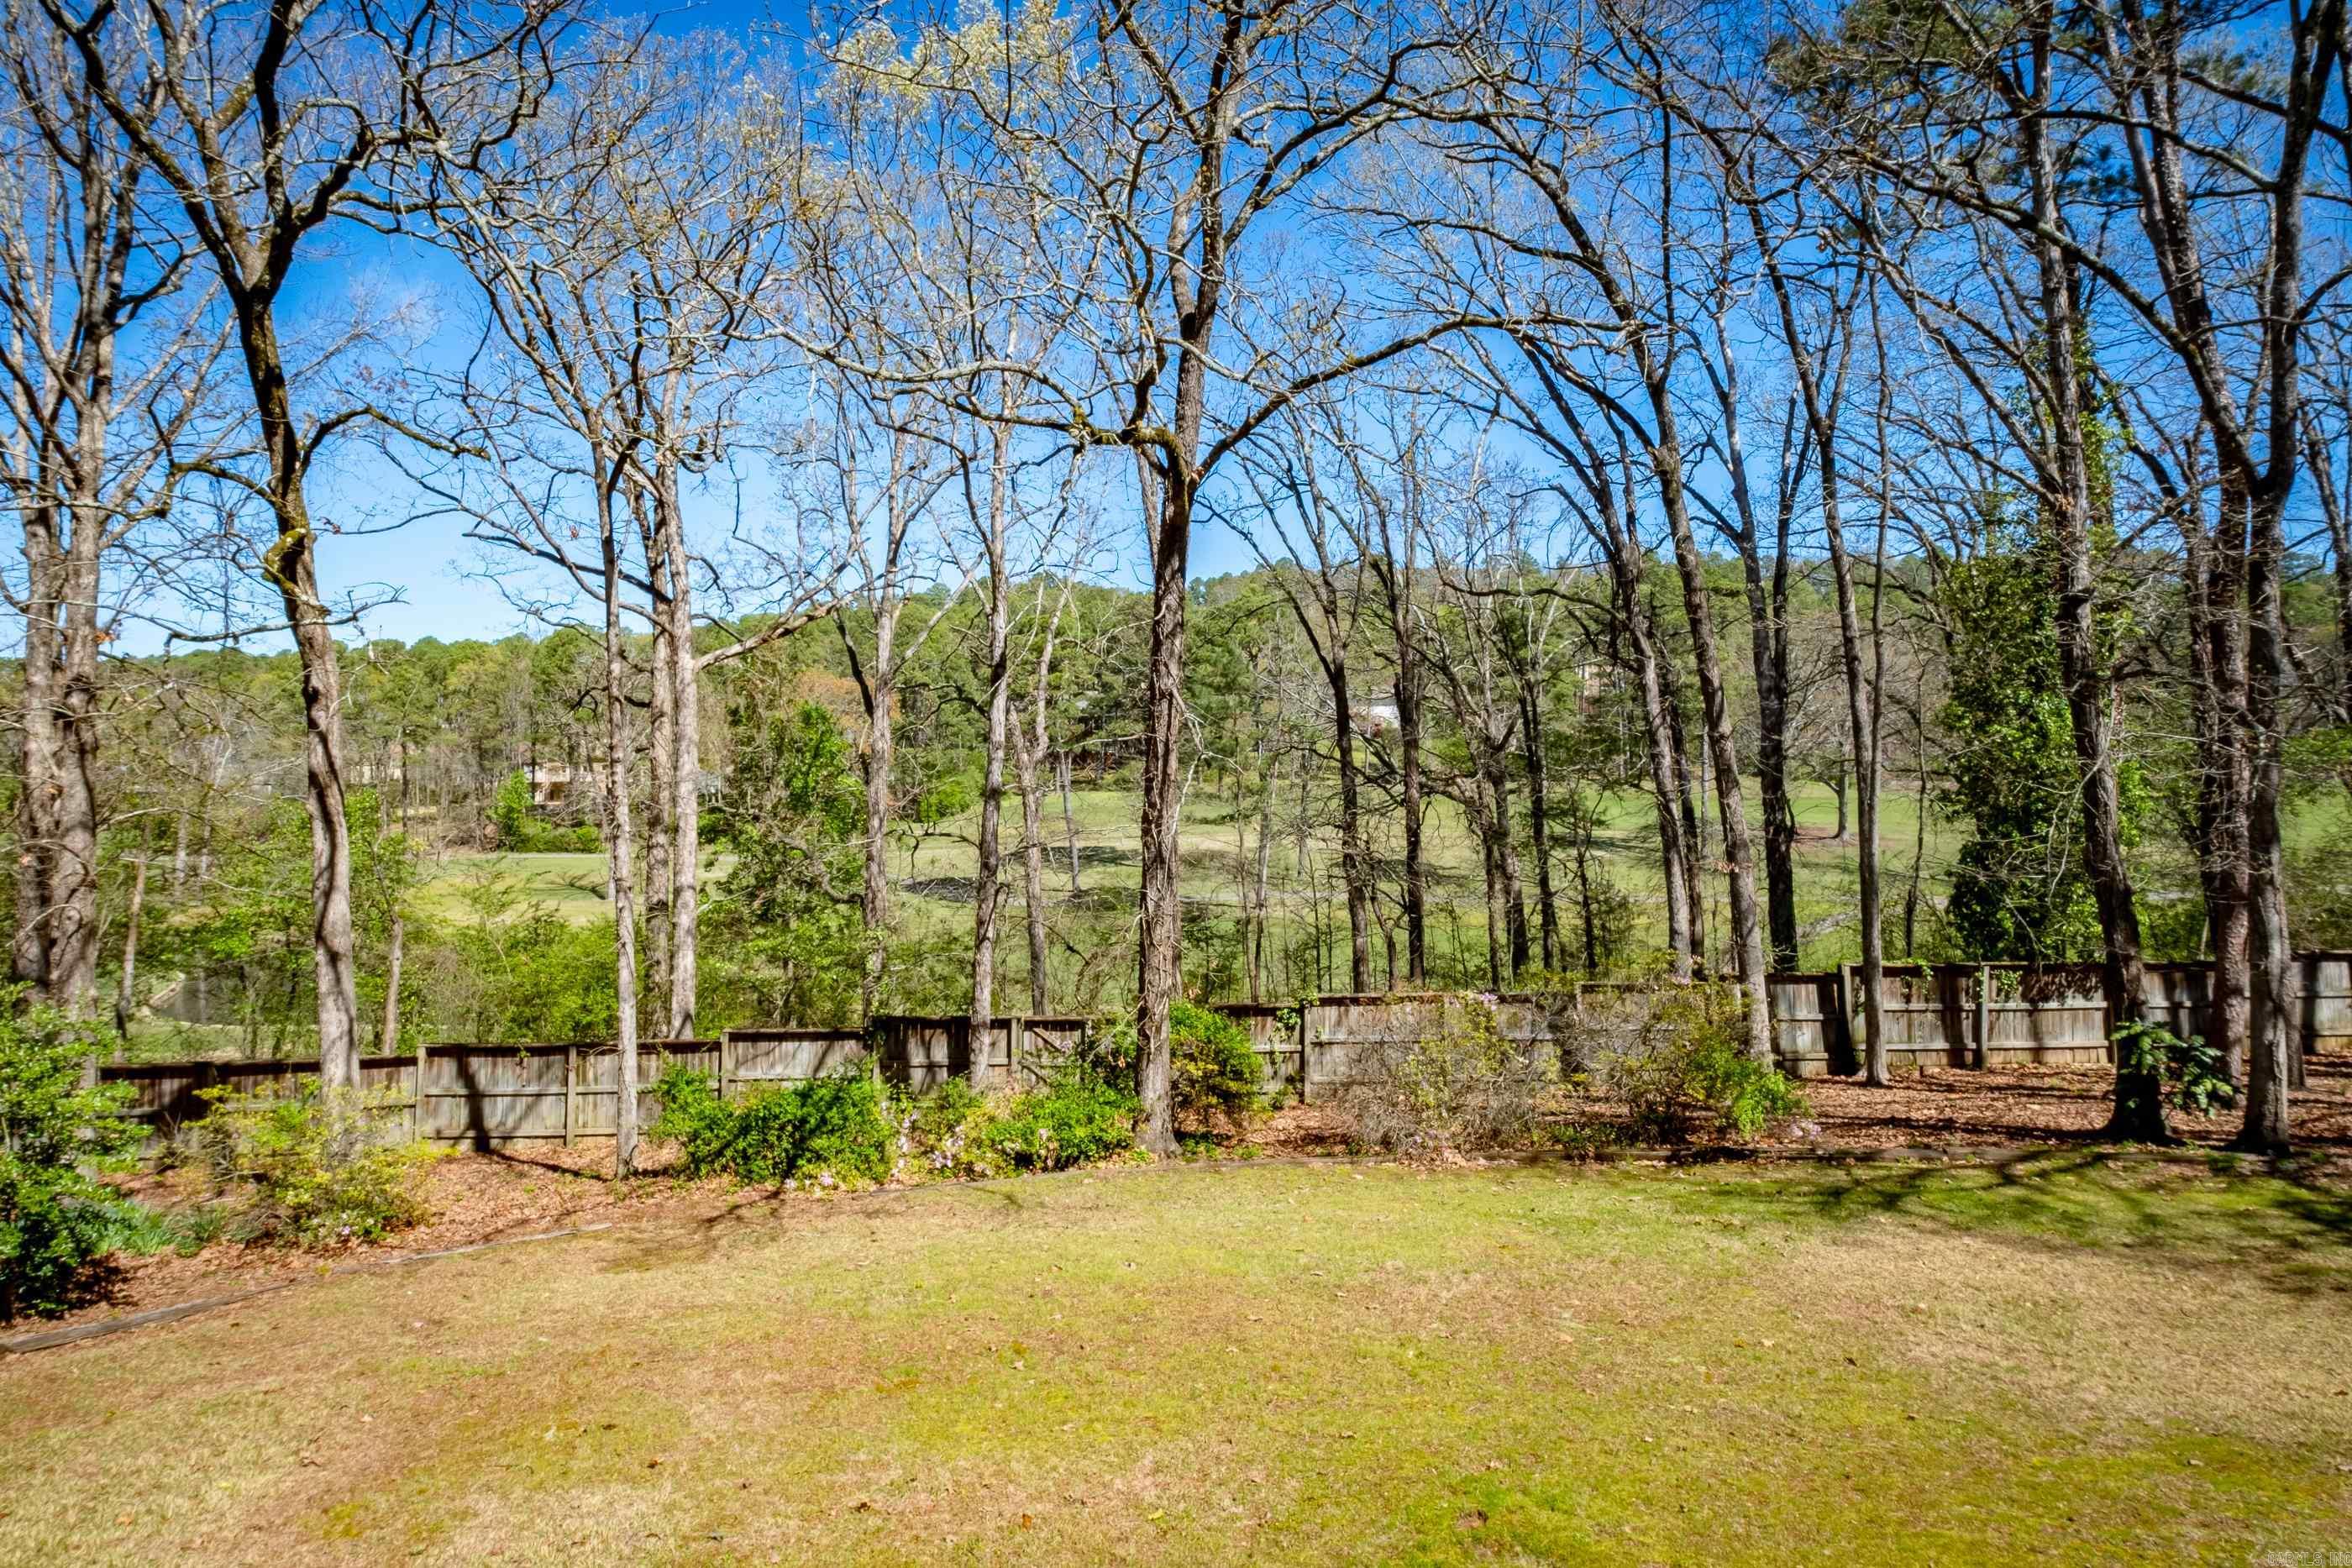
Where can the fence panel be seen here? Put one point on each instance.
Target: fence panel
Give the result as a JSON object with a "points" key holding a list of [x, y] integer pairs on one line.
{"points": [[1343, 1032], [2055, 1015], [486, 1096], [1274, 1035], [921, 1053], [2326, 1011], [596, 1083], [1809, 1025], [751, 1057], [1043, 1045], [2179, 997]]}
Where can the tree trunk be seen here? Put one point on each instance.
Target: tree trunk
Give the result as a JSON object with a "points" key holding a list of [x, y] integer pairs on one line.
{"points": [[1069, 818], [1689, 788], [1531, 745], [73, 929], [1491, 862], [1747, 930], [1506, 853], [2217, 675], [1355, 859], [1258, 884], [2271, 1039], [987, 894], [2140, 1093], [126, 989], [621, 872], [1032, 874], [387, 1040], [290, 564], [1160, 928], [661, 773], [877, 687], [1659, 750], [40, 755], [1416, 877], [1860, 697]]}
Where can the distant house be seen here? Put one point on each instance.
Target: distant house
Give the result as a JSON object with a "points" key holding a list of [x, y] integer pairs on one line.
{"points": [[551, 784], [1374, 715]]}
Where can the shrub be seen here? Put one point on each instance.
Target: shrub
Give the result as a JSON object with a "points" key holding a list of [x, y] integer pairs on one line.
{"points": [[2189, 1068], [310, 1168], [56, 1219], [829, 1131], [1679, 1062], [939, 1127], [1467, 1087], [1077, 1119], [1216, 1070]]}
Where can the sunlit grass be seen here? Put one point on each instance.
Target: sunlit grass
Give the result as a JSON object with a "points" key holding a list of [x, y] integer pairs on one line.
{"points": [[2081, 1363]]}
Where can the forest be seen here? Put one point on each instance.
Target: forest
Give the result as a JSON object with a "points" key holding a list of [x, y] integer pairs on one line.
{"points": [[1064, 509]]}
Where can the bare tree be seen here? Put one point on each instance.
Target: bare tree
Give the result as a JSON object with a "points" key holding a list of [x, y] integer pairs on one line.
{"points": [[1166, 134], [107, 361], [278, 123]]}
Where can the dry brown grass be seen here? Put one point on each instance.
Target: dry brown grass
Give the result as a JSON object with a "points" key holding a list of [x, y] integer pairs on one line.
{"points": [[1280, 1361]]}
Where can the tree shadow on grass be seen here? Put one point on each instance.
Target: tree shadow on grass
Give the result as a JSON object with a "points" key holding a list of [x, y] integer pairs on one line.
{"points": [[2288, 1229]]}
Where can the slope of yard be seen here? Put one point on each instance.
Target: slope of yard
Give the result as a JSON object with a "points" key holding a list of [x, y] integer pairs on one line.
{"points": [[2068, 1359]]}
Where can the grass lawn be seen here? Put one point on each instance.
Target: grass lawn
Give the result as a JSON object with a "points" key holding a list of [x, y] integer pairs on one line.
{"points": [[2070, 1361]]}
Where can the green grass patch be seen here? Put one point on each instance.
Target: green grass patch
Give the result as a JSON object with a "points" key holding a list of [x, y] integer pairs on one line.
{"points": [[2067, 1360]]}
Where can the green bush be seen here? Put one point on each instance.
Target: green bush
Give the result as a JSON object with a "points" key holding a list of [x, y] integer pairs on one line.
{"points": [[1214, 1068], [1681, 1065], [1077, 1119], [56, 1219], [517, 828], [2189, 1069], [939, 1127], [309, 1168], [831, 1132]]}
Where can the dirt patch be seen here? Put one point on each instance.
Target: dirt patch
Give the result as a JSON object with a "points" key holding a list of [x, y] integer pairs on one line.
{"points": [[1941, 1108], [475, 1198], [1958, 1107]]}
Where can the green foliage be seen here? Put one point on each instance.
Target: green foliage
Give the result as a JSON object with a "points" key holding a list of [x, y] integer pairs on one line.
{"points": [[513, 969], [937, 1126], [250, 935], [516, 826], [56, 1220], [2012, 768], [1076, 1119], [310, 1168], [785, 937], [2319, 891], [1587, 1140], [1683, 1067], [1214, 1068], [942, 798], [830, 1131], [2189, 1069]]}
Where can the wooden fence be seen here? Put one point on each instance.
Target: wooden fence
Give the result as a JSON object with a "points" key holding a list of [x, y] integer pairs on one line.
{"points": [[1946, 1015]]}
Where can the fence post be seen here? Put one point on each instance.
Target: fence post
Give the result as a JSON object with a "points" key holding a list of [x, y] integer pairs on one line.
{"points": [[571, 1092], [1984, 1016], [1305, 1048], [1845, 1013], [726, 1063], [417, 1105]]}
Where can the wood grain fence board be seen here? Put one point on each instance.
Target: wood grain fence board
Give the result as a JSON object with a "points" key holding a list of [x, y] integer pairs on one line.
{"points": [[491, 1095], [2325, 1007], [1274, 1036]]}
